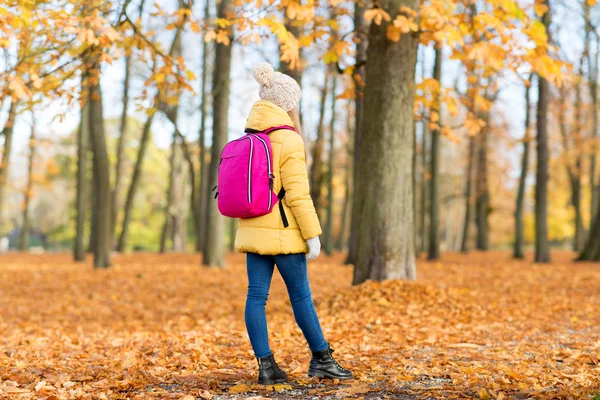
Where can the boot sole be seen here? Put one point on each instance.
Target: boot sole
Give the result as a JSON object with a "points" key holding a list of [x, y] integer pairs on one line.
{"points": [[273, 382], [327, 375]]}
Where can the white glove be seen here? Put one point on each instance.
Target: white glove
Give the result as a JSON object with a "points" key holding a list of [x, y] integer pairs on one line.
{"points": [[314, 248]]}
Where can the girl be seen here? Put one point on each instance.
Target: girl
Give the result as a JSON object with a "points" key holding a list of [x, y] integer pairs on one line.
{"points": [[266, 241]]}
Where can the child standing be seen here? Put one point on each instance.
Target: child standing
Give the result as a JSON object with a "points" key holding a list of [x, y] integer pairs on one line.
{"points": [[268, 243]]}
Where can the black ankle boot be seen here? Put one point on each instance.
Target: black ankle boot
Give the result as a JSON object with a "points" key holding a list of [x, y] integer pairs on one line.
{"points": [[323, 365], [269, 372]]}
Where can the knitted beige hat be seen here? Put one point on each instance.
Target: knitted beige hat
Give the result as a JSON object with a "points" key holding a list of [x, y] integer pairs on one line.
{"points": [[278, 88]]}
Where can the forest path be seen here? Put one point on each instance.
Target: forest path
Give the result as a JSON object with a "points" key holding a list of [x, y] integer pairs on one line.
{"points": [[161, 326]]}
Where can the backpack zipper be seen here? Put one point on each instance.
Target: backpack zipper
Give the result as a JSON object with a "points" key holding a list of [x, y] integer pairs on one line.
{"points": [[271, 176], [250, 170], [249, 164]]}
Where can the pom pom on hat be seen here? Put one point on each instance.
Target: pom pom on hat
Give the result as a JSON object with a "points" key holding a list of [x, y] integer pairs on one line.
{"points": [[280, 89], [263, 73]]}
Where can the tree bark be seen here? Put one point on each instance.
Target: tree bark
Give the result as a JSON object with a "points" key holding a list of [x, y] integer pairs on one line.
{"points": [[215, 239], [168, 224], [573, 168], [359, 79], [7, 132], [424, 185], [519, 229], [316, 168], [342, 237], [542, 246], [482, 203], [81, 201], [593, 88], [116, 193], [202, 187], [24, 239], [328, 242], [285, 67], [433, 251], [464, 247], [591, 251], [101, 165], [133, 185], [385, 199]]}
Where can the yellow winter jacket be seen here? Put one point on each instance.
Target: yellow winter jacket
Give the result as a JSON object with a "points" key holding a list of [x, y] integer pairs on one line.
{"points": [[266, 235]]}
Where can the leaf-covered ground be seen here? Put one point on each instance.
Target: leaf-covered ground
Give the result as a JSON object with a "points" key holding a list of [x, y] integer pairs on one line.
{"points": [[161, 327]]}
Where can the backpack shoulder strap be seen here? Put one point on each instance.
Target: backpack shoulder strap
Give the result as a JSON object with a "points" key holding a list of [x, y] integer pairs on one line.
{"points": [[280, 196], [271, 129]]}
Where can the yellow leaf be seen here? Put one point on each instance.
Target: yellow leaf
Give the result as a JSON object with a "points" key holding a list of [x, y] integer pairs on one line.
{"points": [[377, 15], [393, 33], [160, 77], [190, 75], [210, 36], [330, 57], [540, 9], [484, 395]]}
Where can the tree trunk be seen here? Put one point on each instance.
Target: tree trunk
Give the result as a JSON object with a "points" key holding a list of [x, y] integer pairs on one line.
{"points": [[215, 247], [133, 185], [359, 79], [573, 168], [433, 252], [7, 131], [81, 202], [233, 224], [342, 237], [285, 67], [168, 224], [137, 170], [542, 246], [542, 249], [328, 243], [593, 88], [115, 204], [202, 187], [24, 240], [424, 185], [519, 240], [385, 199], [591, 251], [464, 247], [482, 203], [316, 168], [101, 166]]}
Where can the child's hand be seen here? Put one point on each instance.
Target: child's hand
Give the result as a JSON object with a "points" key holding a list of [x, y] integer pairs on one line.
{"points": [[314, 248]]}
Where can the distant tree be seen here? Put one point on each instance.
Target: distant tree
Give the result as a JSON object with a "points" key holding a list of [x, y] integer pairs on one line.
{"points": [[215, 239], [25, 226], [328, 236], [7, 132], [433, 250], [519, 230], [317, 175], [101, 164]]}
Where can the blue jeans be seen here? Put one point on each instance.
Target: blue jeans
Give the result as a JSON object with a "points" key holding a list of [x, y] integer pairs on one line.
{"points": [[292, 268]]}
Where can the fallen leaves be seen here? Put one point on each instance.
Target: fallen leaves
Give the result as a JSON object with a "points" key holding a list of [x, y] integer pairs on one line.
{"points": [[162, 327]]}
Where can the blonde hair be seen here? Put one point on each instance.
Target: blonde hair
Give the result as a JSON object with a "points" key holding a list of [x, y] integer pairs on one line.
{"points": [[295, 116]]}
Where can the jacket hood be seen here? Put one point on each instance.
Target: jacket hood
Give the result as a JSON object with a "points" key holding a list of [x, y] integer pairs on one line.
{"points": [[265, 114]]}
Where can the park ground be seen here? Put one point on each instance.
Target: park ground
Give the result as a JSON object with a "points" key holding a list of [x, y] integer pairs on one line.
{"points": [[162, 327]]}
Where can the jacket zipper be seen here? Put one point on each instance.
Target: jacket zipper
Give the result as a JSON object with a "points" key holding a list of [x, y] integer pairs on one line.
{"points": [[270, 172]]}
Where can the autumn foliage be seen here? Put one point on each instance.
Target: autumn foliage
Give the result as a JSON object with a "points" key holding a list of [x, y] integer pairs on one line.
{"points": [[161, 327]]}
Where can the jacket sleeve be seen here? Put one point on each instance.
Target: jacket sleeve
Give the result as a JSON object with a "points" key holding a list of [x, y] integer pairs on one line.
{"points": [[294, 178]]}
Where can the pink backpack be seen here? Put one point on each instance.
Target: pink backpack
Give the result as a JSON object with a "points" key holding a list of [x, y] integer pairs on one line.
{"points": [[245, 183]]}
